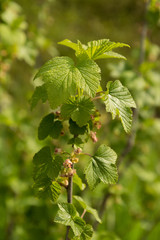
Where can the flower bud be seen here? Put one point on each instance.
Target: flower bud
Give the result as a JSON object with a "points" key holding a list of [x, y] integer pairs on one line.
{"points": [[92, 117], [63, 174], [78, 150], [97, 113], [65, 182], [75, 160], [67, 163], [93, 136], [62, 133], [58, 113], [98, 125], [57, 150], [71, 172]]}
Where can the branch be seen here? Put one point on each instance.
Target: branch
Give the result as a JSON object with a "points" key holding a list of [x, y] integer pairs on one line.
{"points": [[69, 194], [69, 198]]}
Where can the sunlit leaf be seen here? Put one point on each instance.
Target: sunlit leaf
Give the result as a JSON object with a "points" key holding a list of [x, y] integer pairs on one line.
{"points": [[119, 101], [102, 167]]}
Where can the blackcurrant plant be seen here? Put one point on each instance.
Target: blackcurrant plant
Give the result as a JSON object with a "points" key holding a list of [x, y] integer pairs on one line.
{"points": [[71, 88]]}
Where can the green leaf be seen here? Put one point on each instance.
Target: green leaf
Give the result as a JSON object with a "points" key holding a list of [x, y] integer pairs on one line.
{"points": [[56, 129], [40, 93], [87, 75], [91, 176], [75, 129], [118, 101], [45, 126], [78, 109], [58, 76], [68, 216], [87, 208], [45, 170], [102, 167], [55, 167], [86, 234], [78, 181], [98, 49], [55, 191], [76, 141], [62, 77], [43, 156], [111, 54], [70, 44]]}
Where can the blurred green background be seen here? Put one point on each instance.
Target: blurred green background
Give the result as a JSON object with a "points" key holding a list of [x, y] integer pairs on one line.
{"points": [[29, 32]]}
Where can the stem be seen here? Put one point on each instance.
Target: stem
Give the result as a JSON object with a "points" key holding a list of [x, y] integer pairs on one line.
{"points": [[69, 199], [70, 193], [95, 98], [83, 213], [67, 233], [70, 189], [86, 154]]}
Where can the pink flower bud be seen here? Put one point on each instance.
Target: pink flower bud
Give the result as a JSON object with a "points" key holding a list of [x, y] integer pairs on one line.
{"points": [[98, 125], [58, 113], [92, 117], [93, 136], [57, 150], [78, 150], [67, 163]]}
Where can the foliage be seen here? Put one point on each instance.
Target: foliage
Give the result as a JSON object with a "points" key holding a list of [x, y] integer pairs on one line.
{"points": [[28, 36], [73, 88]]}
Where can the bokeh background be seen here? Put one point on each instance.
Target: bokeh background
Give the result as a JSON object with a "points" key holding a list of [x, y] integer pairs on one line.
{"points": [[29, 32]]}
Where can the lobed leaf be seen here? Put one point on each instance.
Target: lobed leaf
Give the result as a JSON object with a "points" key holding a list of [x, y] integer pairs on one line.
{"points": [[62, 78], [87, 75], [102, 167], [78, 109], [118, 101], [98, 49], [75, 129], [111, 54], [77, 142], [58, 76], [68, 43], [86, 234], [45, 170], [68, 216]]}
